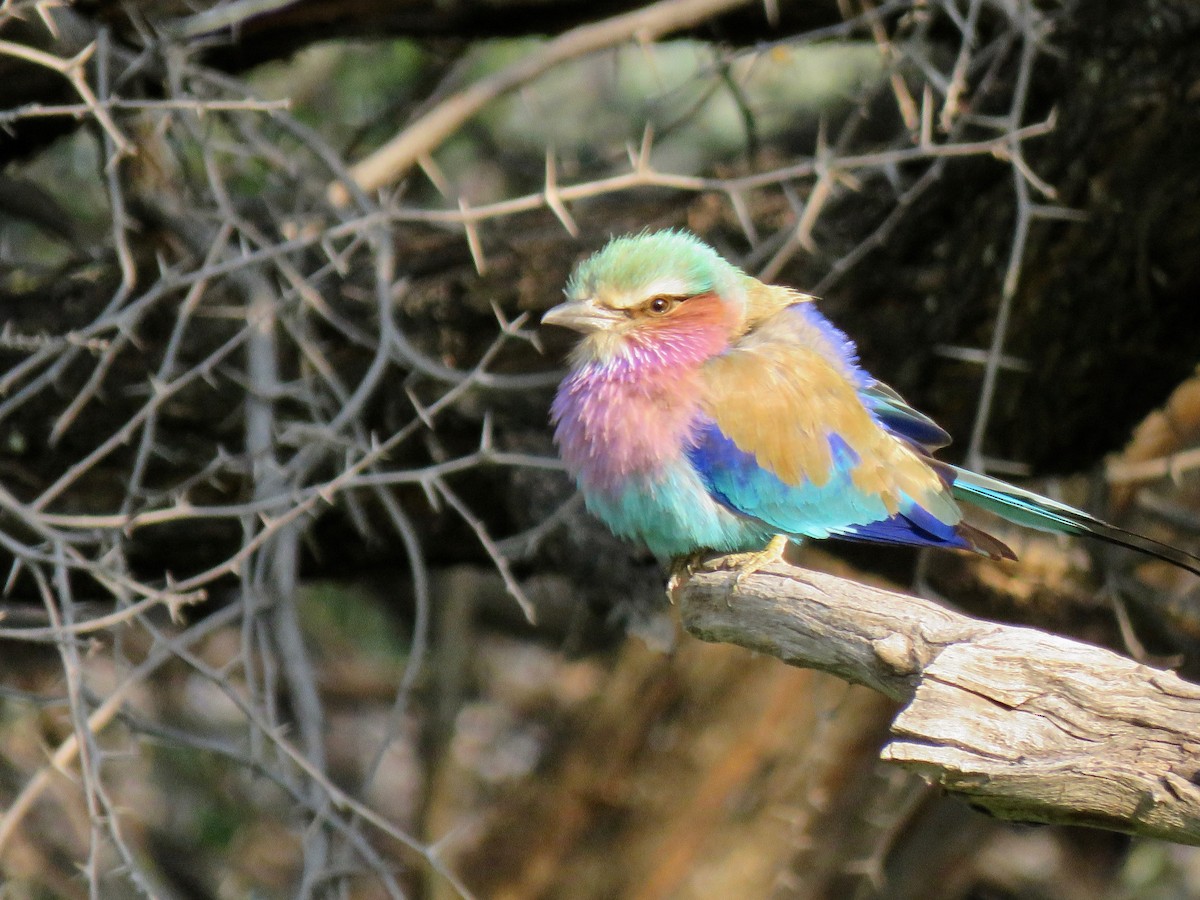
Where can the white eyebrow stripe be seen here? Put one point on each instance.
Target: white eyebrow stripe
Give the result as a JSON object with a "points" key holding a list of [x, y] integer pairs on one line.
{"points": [[670, 287], [661, 287]]}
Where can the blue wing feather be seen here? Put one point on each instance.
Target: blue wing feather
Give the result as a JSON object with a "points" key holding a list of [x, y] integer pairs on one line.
{"points": [[913, 528], [901, 419], [835, 508]]}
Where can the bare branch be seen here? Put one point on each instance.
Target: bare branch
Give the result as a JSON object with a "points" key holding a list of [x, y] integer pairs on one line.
{"points": [[187, 393], [399, 154], [1028, 725]]}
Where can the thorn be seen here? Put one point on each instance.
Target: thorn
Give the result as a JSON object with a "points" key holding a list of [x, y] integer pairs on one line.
{"points": [[793, 199], [486, 444], [981, 357], [643, 159], [339, 263], [511, 328], [822, 149], [43, 8], [646, 47], [80, 59], [435, 501], [847, 179], [175, 607], [1058, 213], [340, 800], [13, 571], [434, 173], [738, 202], [473, 242], [505, 327], [553, 200], [1039, 184], [821, 192], [422, 412]]}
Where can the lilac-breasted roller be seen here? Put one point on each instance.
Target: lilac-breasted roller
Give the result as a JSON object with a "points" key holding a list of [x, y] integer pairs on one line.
{"points": [[706, 410]]}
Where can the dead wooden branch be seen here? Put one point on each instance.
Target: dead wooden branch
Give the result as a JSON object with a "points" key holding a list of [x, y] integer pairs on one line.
{"points": [[421, 137], [1028, 725]]}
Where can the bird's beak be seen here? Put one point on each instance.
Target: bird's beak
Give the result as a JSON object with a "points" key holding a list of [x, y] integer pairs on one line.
{"points": [[582, 315]]}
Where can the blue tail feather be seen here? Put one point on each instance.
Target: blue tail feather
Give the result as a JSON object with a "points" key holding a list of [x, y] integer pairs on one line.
{"points": [[1031, 510]]}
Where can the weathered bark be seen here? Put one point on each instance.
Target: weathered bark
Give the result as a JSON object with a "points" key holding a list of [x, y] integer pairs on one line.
{"points": [[1028, 725]]}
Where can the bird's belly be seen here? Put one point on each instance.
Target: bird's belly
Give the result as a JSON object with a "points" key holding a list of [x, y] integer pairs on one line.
{"points": [[674, 515]]}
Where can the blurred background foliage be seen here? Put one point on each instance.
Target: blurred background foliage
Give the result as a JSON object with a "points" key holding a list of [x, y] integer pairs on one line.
{"points": [[356, 706]]}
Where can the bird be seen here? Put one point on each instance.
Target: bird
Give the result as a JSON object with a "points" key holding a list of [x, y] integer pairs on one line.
{"points": [[705, 411]]}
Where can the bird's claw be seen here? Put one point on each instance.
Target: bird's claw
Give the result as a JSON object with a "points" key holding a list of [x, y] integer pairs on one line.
{"points": [[742, 565], [682, 569], [747, 564]]}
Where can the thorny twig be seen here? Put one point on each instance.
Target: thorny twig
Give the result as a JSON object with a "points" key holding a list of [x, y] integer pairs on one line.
{"points": [[239, 323]]}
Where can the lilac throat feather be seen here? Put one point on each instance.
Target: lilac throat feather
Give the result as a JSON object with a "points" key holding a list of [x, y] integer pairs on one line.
{"points": [[628, 416]]}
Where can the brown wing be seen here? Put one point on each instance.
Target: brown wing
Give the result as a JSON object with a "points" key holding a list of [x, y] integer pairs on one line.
{"points": [[782, 393]]}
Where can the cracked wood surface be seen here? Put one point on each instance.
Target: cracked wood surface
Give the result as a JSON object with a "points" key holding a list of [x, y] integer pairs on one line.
{"points": [[1027, 725]]}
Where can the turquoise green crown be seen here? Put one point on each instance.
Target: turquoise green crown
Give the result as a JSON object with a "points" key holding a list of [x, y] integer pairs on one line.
{"points": [[631, 262]]}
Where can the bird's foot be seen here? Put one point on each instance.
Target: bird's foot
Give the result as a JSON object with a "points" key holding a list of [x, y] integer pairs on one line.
{"points": [[682, 568], [746, 564]]}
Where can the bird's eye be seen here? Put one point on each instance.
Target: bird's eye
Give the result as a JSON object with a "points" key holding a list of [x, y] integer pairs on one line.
{"points": [[660, 305]]}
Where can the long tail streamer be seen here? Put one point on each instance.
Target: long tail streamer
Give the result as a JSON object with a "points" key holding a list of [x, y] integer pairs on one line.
{"points": [[1032, 510]]}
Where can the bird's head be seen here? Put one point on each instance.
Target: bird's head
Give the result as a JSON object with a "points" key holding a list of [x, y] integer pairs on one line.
{"points": [[655, 294]]}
